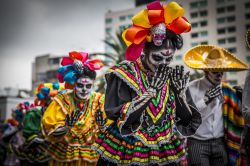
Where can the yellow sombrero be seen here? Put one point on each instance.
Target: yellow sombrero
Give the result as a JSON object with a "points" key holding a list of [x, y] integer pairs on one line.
{"points": [[248, 38], [213, 58]]}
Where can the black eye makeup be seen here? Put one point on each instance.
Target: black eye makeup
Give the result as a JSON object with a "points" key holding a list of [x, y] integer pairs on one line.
{"points": [[79, 85], [88, 86], [157, 57]]}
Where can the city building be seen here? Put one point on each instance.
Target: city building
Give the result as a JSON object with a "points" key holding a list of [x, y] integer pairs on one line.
{"points": [[44, 69], [10, 98], [215, 22]]}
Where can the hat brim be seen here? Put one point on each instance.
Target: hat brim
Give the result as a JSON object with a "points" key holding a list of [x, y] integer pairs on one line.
{"points": [[195, 59]]}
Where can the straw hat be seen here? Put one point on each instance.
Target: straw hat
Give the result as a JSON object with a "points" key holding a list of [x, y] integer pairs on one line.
{"points": [[248, 38], [213, 58]]}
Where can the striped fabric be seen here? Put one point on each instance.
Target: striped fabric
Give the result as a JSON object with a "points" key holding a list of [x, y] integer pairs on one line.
{"points": [[159, 145], [233, 125]]}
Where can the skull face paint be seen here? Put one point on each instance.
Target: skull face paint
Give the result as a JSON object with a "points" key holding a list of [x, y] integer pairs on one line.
{"points": [[161, 56], [158, 34], [214, 77], [83, 87]]}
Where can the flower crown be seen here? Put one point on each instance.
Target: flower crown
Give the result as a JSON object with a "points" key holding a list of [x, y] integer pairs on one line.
{"points": [[75, 65], [145, 22], [45, 91]]}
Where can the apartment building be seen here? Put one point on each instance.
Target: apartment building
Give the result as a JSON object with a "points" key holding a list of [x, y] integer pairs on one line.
{"points": [[216, 22]]}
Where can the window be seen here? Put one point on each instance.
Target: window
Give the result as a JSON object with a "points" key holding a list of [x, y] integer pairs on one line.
{"points": [[221, 31], [232, 73], [247, 5], [178, 57], [108, 20], [204, 42], [194, 25], [221, 41], [230, 18], [204, 33], [231, 40], [231, 8], [233, 82], [220, 20], [53, 61], [122, 27], [232, 50], [41, 77], [194, 5], [194, 15], [248, 58], [220, 1], [247, 16], [231, 29], [203, 13], [130, 17], [51, 74], [203, 3], [108, 30], [247, 26], [122, 18], [203, 23], [194, 44], [220, 10], [194, 35]]}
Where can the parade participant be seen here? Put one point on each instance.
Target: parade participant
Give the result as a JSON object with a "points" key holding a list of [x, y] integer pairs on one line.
{"points": [[145, 98], [12, 136], [217, 140], [246, 106], [34, 149], [73, 119]]}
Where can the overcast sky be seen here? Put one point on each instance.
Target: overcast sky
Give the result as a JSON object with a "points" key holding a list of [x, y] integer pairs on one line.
{"points": [[29, 28]]}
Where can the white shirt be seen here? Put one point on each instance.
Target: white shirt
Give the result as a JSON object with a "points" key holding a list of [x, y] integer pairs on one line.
{"points": [[211, 114]]}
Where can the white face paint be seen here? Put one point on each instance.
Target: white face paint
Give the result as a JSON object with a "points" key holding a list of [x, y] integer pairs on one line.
{"points": [[214, 77], [83, 87], [162, 56]]}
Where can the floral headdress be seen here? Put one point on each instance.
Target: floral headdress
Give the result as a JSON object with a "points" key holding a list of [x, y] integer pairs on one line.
{"points": [[148, 22], [20, 110], [75, 65], [45, 91]]}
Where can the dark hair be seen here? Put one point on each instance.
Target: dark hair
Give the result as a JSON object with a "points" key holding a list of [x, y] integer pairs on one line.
{"points": [[176, 40], [88, 73]]}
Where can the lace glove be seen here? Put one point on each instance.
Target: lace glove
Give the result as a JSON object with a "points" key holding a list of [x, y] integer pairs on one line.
{"points": [[179, 80], [212, 94], [69, 123], [100, 120]]}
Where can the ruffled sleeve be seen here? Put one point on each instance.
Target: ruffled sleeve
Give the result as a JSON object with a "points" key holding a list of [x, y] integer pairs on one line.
{"points": [[118, 103], [53, 118], [32, 123], [188, 122]]}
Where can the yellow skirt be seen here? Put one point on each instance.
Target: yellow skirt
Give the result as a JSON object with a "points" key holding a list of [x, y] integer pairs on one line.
{"points": [[71, 163]]}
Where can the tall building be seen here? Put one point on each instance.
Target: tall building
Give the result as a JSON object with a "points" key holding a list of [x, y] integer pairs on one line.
{"points": [[44, 69], [216, 22]]}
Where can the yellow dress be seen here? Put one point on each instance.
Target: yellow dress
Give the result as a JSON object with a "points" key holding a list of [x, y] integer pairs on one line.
{"points": [[74, 147]]}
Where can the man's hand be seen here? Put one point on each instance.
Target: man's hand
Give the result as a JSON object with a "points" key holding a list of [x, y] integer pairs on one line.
{"points": [[179, 79], [212, 94]]}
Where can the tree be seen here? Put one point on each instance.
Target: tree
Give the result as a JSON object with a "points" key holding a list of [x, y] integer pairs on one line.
{"points": [[118, 47]]}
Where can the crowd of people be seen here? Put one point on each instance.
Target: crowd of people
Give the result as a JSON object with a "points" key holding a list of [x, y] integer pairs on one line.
{"points": [[150, 113]]}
